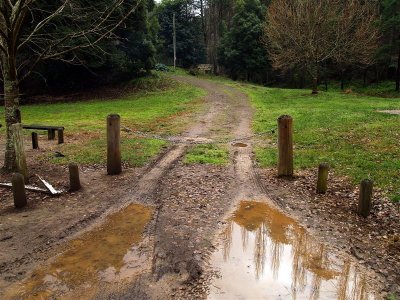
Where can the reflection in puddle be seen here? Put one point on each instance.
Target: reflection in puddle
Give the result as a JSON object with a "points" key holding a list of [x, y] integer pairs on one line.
{"points": [[104, 255], [267, 255]]}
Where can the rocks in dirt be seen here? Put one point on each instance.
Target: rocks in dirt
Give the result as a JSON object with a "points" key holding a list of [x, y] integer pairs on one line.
{"points": [[194, 269], [190, 214], [357, 253], [5, 237]]}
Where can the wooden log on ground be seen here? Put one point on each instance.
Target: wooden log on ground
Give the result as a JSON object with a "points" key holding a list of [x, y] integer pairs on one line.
{"points": [[365, 200], [27, 187], [323, 174], [49, 187], [35, 141], [60, 134], [114, 166], [20, 158], [18, 188], [74, 181], [285, 146]]}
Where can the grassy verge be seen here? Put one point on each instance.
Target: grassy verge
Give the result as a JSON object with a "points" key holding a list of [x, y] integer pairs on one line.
{"points": [[344, 130], [385, 89], [207, 154], [162, 111]]}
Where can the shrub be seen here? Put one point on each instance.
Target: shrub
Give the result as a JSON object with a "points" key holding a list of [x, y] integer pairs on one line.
{"points": [[161, 68]]}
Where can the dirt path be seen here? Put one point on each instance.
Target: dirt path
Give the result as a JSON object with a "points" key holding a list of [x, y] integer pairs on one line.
{"points": [[194, 205], [190, 207]]}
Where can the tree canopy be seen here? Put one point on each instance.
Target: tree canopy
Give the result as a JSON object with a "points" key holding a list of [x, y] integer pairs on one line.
{"points": [[189, 39], [241, 51]]}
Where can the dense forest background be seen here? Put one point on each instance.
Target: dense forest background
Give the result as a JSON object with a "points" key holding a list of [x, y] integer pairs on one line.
{"points": [[228, 34]]}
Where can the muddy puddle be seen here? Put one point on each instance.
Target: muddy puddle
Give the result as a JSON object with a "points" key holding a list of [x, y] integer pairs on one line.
{"points": [[240, 145], [267, 255], [108, 254]]}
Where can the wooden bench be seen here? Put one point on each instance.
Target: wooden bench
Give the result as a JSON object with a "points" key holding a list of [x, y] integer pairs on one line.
{"points": [[206, 68], [51, 131]]}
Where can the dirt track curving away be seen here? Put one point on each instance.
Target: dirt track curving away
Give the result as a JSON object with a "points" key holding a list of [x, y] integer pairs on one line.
{"points": [[184, 236]]}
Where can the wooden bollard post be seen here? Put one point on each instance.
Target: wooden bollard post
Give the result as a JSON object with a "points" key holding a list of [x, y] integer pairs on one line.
{"points": [[74, 181], [20, 158], [113, 145], [285, 146], [322, 183], [365, 200], [35, 141], [18, 188], [60, 134]]}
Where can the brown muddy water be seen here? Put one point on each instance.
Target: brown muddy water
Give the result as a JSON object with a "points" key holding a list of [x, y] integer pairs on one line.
{"points": [[267, 255], [105, 255], [240, 145]]}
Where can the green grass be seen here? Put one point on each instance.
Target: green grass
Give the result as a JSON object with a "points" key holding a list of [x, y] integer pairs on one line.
{"points": [[344, 130], [391, 297], [134, 151], [207, 154], [162, 111], [385, 89]]}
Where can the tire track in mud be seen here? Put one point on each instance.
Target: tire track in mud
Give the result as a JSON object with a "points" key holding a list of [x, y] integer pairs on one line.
{"points": [[174, 259], [191, 202], [177, 249], [148, 182], [144, 189], [185, 229]]}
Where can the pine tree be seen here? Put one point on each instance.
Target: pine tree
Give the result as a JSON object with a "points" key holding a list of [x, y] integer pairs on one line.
{"points": [[242, 52]]}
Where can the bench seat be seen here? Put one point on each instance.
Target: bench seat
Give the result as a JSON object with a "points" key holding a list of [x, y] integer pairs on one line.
{"points": [[50, 131]]}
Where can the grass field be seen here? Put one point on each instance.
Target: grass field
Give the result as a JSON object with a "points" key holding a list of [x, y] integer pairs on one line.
{"points": [[344, 130], [162, 111], [207, 154]]}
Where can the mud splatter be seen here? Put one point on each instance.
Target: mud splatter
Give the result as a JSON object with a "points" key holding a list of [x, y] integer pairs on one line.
{"points": [[106, 254], [267, 255]]}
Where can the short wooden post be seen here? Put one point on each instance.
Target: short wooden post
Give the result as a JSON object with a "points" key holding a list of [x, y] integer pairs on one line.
{"points": [[60, 134], [74, 181], [113, 145], [365, 200], [285, 146], [35, 141], [20, 159], [322, 183], [51, 133], [18, 188]]}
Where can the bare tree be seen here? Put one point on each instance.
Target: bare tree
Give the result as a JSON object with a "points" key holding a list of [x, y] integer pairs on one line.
{"points": [[32, 25], [358, 36], [306, 33]]}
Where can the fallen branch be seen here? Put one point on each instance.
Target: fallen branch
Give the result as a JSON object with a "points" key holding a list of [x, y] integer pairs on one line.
{"points": [[49, 187], [27, 187]]}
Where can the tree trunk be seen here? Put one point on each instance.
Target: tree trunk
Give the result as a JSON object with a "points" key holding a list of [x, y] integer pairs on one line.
{"points": [[314, 74], [203, 23], [326, 77], [302, 80], [398, 73], [12, 111], [365, 78], [315, 86], [342, 80]]}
